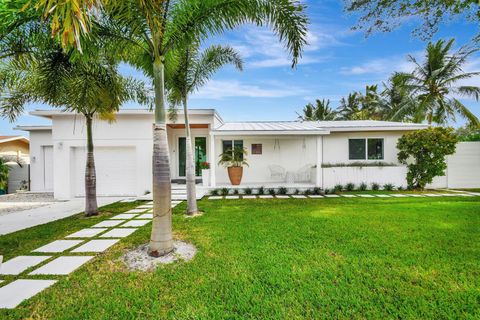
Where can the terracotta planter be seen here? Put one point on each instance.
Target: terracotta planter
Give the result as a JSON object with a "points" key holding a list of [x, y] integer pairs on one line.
{"points": [[235, 175]]}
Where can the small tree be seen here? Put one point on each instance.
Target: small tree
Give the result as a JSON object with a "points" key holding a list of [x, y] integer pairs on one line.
{"points": [[424, 153]]}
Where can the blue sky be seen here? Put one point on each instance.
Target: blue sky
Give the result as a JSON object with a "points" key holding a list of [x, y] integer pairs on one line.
{"points": [[336, 62]]}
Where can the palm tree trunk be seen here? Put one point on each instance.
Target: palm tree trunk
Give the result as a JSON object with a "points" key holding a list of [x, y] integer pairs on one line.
{"points": [[190, 169], [91, 207], [161, 239]]}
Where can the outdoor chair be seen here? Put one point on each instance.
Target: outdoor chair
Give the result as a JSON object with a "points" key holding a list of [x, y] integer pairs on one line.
{"points": [[303, 174], [277, 172]]}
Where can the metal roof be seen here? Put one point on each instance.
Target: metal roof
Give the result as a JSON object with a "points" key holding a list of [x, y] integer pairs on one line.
{"points": [[321, 126]]}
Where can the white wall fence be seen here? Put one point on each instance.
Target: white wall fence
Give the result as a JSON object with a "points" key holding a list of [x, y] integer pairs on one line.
{"points": [[463, 171], [16, 175]]}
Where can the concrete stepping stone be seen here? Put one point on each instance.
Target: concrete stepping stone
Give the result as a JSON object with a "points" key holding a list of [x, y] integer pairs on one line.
{"points": [[215, 198], [332, 196], [399, 195], [86, 233], [136, 211], [58, 246], [62, 265], [145, 207], [145, 216], [17, 291], [417, 195], [472, 193], [96, 245], [383, 196], [280, 196], [366, 196], [431, 195], [349, 195], [108, 224], [465, 195], [135, 223], [249, 197], [298, 197], [128, 200], [265, 197], [119, 233], [19, 264], [232, 197], [124, 216]]}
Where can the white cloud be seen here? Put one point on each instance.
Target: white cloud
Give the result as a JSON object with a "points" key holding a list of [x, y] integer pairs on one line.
{"points": [[218, 89], [380, 66]]}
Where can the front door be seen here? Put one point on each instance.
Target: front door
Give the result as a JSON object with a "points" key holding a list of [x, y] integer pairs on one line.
{"points": [[200, 149]]}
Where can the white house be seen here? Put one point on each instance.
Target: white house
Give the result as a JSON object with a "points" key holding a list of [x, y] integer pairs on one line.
{"points": [[280, 153]]}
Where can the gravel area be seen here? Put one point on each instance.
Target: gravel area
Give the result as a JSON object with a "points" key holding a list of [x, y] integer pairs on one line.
{"points": [[138, 259], [24, 201]]}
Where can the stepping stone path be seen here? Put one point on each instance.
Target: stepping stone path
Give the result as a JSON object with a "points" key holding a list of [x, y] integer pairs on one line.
{"points": [[358, 195], [58, 246], [90, 241]]}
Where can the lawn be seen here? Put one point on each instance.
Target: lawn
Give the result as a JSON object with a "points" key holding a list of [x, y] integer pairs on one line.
{"points": [[285, 259]]}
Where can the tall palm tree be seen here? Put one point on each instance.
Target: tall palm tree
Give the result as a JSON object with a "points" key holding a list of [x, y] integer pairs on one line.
{"points": [[39, 70], [187, 71], [399, 101], [350, 107], [321, 111], [147, 31], [435, 82]]}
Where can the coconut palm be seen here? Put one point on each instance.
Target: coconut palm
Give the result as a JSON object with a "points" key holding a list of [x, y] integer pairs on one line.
{"points": [[43, 72], [435, 82], [350, 107], [321, 111], [147, 31], [399, 102], [188, 71]]}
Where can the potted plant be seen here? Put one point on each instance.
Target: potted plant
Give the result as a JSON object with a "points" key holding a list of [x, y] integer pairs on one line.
{"points": [[234, 160], [205, 166]]}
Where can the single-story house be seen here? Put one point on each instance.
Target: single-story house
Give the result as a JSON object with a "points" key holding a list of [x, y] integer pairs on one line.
{"points": [[15, 146], [280, 153]]}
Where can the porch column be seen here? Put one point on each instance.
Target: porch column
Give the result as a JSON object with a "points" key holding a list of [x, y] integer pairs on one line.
{"points": [[213, 163], [319, 171]]}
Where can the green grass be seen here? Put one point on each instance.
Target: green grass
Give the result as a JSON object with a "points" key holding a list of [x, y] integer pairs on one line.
{"points": [[393, 191], [409, 258]]}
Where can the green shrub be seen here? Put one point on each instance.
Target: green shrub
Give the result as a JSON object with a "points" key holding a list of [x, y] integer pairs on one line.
{"points": [[247, 191], [400, 188], [297, 191], [375, 186], [350, 186], [307, 192], [337, 188], [214, 192], [317, 190], [235, 191], [224, 191], [388, 187], [271, 191], [363, 186], [282, 190], [424, 152], [261, 190], [327, 191]]}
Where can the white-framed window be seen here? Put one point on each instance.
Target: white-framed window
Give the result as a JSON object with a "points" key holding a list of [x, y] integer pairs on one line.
{"points": [[366, 149]]}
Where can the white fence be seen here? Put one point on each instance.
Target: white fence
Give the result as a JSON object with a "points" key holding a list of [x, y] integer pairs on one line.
{"points": [[463, 171], [16, 175]]}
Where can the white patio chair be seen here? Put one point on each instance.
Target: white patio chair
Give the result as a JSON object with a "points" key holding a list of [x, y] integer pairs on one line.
{"points": [[277, 172], [303, 174]]}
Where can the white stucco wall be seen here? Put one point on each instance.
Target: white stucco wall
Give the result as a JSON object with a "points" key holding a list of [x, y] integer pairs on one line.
{"points": [[291, 153], [38, 140]]}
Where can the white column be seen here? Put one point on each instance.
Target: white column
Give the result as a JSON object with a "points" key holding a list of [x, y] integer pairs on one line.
{"points": [[213, 163], [319, 171]]}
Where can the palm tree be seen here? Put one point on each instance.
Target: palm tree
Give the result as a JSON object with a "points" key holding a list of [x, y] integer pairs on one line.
{"points": [[399, 102], [190, 70], [350, 108], [321, 111], [435, 83], [147, 31], [43, 72]]}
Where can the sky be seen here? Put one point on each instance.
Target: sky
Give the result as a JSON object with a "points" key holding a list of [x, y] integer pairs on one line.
{"points": [[336, 62]]}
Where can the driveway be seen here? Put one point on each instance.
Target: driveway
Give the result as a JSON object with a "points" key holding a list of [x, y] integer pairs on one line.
{"points": [[18, 220]]}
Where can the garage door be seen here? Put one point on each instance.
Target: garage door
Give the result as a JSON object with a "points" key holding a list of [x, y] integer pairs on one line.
{"points": [[115, 169]]}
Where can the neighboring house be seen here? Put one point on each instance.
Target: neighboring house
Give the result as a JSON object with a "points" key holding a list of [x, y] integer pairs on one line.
{"points": [[280, 153], [16, 147]]}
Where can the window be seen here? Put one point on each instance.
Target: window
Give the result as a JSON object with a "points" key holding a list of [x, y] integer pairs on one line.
{"points": [[356, 149], [375, 149], [227, 144], [256, 148], [362, 149]]}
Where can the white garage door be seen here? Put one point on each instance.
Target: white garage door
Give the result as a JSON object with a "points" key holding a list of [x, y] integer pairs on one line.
{"points": [[115, 169]]}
